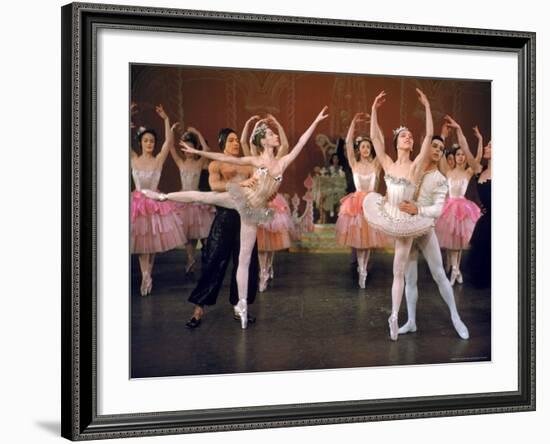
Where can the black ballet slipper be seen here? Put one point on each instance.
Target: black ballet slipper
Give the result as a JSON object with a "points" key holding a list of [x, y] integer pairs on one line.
{"points": [[193, 322]]}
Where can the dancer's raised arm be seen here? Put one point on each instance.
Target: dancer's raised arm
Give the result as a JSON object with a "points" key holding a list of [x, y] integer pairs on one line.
{"points": [[289, 158], [283, 148], [247, 160], [177, 159], [376, 133], [427, 143], [168, 135], [463, 143], [443, 164], [350, 152], [246, 145], [479, 152]]}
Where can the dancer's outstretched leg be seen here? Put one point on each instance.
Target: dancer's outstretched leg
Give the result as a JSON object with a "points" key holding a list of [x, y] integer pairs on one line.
{"points": [[432, 254], [248, 239], [401, 256]]}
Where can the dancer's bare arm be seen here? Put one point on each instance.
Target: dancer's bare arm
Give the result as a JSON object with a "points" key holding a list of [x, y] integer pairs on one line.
{"points": [[376, 133], [289, 158]]}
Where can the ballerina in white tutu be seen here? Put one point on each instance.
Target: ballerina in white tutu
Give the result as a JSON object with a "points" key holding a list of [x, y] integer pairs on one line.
{"points": [[401, 177]]}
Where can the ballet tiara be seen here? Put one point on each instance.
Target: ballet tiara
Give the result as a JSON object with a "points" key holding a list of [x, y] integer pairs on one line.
{"points": [[260, 129], [398, 130]]}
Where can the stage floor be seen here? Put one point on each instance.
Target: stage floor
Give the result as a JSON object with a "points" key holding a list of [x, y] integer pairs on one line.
{"points": [[312, 316]]}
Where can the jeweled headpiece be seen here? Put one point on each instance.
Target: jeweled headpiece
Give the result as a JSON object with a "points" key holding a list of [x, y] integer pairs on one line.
{"points": [[398, 130]]}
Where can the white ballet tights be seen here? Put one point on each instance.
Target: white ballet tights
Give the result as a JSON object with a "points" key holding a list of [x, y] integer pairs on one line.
{"points": [[429, 246], [362, 260], [400, 258]]}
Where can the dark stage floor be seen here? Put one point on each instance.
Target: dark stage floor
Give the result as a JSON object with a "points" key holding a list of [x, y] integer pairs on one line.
{"points": [[312, 316]]}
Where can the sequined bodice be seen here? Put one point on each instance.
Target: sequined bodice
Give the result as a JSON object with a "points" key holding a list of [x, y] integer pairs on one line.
{"points": [[364, 182], [190, 180], [457, 187], [266, 186], [146, 180], [397, 190]]}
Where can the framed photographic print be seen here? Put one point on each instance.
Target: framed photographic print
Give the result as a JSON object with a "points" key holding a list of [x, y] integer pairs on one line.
{"points": [[304, 222]]}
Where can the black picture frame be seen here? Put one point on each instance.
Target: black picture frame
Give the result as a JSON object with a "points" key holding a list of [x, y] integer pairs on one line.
{"points": [[80, 22]]}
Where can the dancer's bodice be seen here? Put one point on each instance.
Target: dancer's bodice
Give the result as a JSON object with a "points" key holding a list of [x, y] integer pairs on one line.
{"points": [[365, 182], [190, 179], [457, 187], [397, 191], [146, 180], [266, 186]]}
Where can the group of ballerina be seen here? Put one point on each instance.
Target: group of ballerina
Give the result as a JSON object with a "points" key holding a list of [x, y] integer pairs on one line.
{"points": [[366, 219]]}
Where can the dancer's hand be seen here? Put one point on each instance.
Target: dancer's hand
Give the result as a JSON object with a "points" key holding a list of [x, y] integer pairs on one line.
{"points": [[451, 122], [150, 194], [188, 148], [249, 183], [160, 111], [361, 117], [422, 97], [379, 100], [175, 126], [477, 133], [408, 207], [322, 115], [445, 131]]}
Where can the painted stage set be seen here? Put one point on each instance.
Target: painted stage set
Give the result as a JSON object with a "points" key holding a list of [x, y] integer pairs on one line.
{"points": [[313, 316]]}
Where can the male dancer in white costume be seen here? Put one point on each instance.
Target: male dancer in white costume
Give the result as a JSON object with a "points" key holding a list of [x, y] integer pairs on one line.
{"points": [[430, 200]]}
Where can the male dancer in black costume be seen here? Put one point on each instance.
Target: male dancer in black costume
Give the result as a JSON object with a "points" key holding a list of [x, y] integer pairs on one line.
{"points": [[223, 240]]}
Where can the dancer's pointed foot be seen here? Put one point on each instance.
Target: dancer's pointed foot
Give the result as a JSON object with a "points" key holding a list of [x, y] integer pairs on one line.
{"points": [[459, 278], [408, 327], [362, 279], [392, 323], [460, 328], [264, 277], [241, 309], [146, 284], [454, 275]]}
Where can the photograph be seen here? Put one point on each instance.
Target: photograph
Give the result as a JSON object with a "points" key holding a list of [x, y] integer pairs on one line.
{"points": [[275, 221], [290, 220]]}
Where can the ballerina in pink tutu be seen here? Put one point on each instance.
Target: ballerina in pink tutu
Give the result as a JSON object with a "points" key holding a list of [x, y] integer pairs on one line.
{"points": [[155, 226], [250, 198], [277, 234], [352, 229], [196, 217], [456, 224]]}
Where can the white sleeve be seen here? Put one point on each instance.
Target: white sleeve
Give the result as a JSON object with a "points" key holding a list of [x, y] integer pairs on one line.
{"points": [[439, 194]]}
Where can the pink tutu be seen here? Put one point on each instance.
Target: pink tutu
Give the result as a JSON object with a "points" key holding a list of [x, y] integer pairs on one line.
{"points": [[197, 219], [456, 224], [352, 228], [155, 226], [276, 234]]}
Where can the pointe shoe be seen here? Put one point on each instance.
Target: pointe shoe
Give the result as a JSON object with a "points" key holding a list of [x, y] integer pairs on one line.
{"points": [[454, 275], [392, 323], [362, 279], [241, 309], [146, 284], [271, 271], [461, 328], [459, 278], [408, 327], [264, 277]]}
